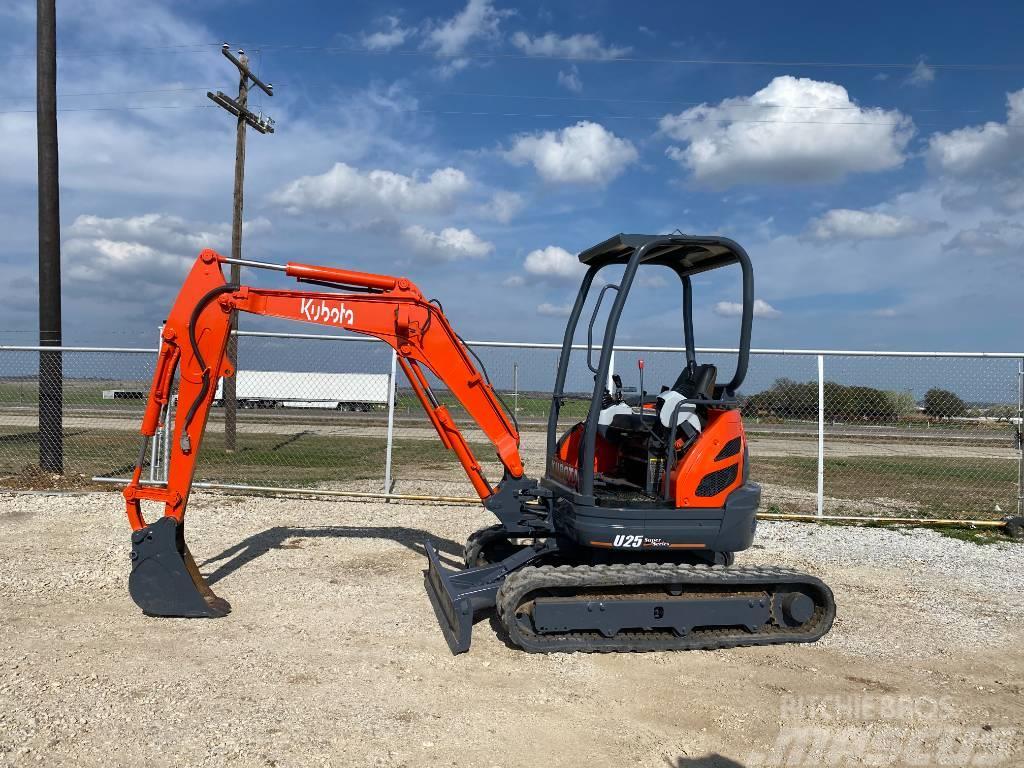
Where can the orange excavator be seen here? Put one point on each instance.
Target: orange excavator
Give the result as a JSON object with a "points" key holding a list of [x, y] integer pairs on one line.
{"points": [[627, 541]]}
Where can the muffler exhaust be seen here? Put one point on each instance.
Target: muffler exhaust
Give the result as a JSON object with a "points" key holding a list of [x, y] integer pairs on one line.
{"points": [[165, 580]]}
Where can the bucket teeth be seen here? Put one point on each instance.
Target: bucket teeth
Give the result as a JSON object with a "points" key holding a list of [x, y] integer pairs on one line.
{"points": [[165, 580]]}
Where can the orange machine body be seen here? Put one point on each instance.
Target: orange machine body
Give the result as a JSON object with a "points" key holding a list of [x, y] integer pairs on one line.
{"points": [[708, 454], [702, 459]]}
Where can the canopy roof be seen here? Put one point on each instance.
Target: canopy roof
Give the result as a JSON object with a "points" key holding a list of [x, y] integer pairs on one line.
{"points": [[687, 254]]}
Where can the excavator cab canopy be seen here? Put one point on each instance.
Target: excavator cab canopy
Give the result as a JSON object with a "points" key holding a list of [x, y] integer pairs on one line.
{"points": [[686, 255]]}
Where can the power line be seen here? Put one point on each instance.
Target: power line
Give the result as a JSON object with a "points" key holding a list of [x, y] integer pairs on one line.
{"points": [[981, 66], [541, 115], [100, 52], [675, 102], [113, 109], [200, 48], [585, 116], [63, 95], [531, 97]]}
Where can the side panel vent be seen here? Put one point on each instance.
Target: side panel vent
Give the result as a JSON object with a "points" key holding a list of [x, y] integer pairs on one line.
{"points": [[729, 449], [715, 482]]}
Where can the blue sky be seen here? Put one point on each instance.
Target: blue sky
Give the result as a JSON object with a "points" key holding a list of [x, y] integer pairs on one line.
{"points": [[477, 146]]}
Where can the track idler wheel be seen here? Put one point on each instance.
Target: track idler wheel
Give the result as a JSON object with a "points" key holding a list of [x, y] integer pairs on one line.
{"points": [[165, 580]]}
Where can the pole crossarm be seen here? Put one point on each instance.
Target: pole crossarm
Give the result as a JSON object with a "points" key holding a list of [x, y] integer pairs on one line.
{"points": [[243, 68], [257, 122]]}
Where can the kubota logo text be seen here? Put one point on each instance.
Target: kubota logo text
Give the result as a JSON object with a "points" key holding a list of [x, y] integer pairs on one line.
{"points": [[323, 312]]}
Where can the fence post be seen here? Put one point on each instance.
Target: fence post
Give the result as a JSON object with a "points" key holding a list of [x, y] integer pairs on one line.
{"points": [[515, 390], [391, 421], [1020, 437], [821, 435], [172, 401], [155, 448]]}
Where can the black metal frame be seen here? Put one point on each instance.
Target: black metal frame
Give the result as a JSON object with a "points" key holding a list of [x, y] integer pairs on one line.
{"points": [[686, 256], [560, 519]]}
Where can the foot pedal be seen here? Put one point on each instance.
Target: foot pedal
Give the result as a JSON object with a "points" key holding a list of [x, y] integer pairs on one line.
{"points": [[165, 580]]}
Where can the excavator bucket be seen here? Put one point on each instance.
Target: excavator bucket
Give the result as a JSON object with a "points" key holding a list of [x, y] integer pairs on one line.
{"points": [[165, 580]]}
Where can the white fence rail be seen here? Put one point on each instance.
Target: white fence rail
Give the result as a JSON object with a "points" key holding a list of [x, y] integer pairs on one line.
{"points": [[832, 432]]}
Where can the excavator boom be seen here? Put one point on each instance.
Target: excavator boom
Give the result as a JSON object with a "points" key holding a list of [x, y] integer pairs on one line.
{"points": [[193, 344]]}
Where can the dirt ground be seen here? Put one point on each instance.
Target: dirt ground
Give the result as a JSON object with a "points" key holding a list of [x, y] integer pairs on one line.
{"points": [[332, 655]]}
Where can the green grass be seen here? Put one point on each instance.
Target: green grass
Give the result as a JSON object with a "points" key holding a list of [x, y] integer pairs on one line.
{"points": [[263, 459], [980, 536], [76, 392], [532, 407], [937, 487], [920, 486]]}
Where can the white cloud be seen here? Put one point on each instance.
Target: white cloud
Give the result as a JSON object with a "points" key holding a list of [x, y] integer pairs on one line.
{"points": [[921, 75], [451, 67], [983, 165], [651, 280], [978, 150], [503, 206], [137, 258], [794, 130], [734, 309], [570, 79], [554, 310], [990, 238], [377, 192], [450, 244], [553, 263], [161, 231], [847, 224], [579, 46], [391, 36], [479, 19], [585, 153]]}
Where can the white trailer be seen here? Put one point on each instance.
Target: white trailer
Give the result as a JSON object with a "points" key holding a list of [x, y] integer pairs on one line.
{"points": [[296, 389]]}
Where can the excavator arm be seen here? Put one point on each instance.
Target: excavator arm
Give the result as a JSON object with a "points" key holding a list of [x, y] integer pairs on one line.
{"points": [[194, 343]]}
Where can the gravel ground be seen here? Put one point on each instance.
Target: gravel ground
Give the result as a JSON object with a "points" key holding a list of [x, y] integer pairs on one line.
{"points": [[332, 655]]}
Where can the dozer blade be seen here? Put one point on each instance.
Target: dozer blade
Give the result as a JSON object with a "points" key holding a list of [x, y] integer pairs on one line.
{"points": [[458, 595], [165, 580]]}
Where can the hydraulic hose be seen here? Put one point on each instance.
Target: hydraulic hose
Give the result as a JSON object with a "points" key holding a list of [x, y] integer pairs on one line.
{"points": [[185, 443]]}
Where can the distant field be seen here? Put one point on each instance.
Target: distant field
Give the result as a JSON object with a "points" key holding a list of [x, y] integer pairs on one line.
{"points": [[901, 486], [298, 459], [894, 485]]}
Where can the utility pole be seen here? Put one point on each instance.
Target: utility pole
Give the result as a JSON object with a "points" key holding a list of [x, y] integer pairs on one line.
{"points": [[239, 108], [51, 374]]}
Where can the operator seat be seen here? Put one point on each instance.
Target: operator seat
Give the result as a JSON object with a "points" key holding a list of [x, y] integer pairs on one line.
{"points": [[694, 382]]}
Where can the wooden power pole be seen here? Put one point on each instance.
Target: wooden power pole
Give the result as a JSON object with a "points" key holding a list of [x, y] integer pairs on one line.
{"points": [[239, 108], [51, 374]]}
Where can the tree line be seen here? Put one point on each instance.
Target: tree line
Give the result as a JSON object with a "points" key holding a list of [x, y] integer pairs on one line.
{"points": [[788, 399]]}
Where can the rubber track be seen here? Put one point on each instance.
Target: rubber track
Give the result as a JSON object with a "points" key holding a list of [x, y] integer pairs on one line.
{"points": [[476, 542], [518, 587]]}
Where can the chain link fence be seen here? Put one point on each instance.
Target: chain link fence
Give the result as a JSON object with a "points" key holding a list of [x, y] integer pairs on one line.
{"points": [[870, 434]]}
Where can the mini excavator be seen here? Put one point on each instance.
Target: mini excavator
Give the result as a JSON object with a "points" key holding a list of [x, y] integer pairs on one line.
{"points": [[627, 541]]}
